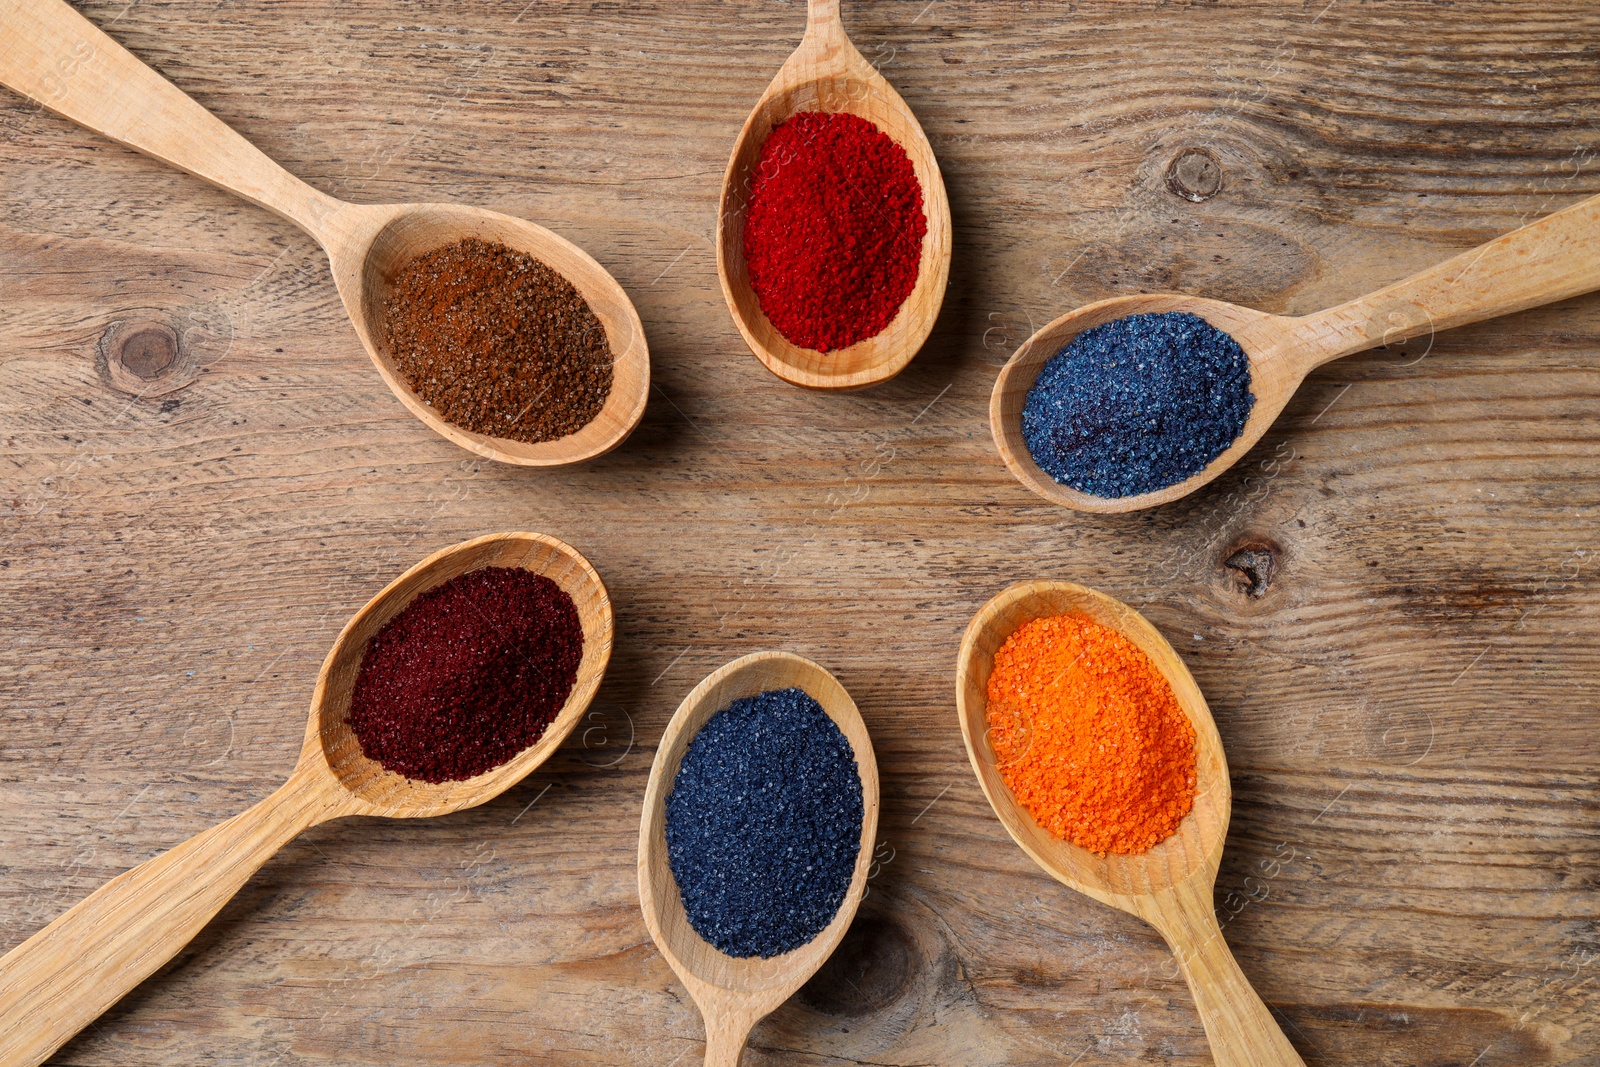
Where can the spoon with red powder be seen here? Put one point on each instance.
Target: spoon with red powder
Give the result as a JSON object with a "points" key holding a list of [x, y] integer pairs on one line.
{"points": [[63, 977], [56, 57], [833, 239], [1169, 883]]}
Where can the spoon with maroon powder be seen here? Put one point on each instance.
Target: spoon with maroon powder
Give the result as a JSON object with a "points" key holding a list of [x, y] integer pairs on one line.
{"points": [[56, 57], [554, 644]]}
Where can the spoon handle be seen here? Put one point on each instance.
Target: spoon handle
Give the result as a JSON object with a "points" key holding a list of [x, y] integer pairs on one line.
{"points": [[60, 60], [824, 28], [821, 11], [1238, 1025], [726, 1035], [1543, 262], [63, 977]]}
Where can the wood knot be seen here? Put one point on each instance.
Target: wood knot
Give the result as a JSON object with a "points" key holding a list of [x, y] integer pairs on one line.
{"points": [[152, 352], [872, 968], [1252, 563], [1194, 174], [148, 351]]}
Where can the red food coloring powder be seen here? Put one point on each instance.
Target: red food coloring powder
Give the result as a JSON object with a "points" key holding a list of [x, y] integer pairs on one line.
{"points": [[833, 232], [468, 675]]}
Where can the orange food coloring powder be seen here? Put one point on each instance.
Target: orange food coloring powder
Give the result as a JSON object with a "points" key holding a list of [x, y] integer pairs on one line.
{"points": [[1089, 735]]}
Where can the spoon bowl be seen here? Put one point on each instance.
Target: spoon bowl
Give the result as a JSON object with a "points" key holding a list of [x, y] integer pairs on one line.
{"points": [[826, 73], [1170, 886], [369, 246], [63, 977], [331, 750], [1273, 380], [1548, 260], [58, 58], [734, 994]]}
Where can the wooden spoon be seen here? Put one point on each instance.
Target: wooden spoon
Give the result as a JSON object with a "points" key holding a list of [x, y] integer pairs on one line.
{"points": [[1170, 886], [826, 73], [58, 58], [735, 994], [1543, 262], [63, 977]]}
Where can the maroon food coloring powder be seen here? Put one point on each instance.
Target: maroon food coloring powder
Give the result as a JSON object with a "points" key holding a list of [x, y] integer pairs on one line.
{"points": [[468, 675]]}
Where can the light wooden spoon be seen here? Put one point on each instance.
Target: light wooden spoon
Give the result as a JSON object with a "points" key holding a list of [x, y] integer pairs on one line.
{"points": [[63, 977], [1549, 260], [1170, 886], [735, 994], [57, 58], [826, 73]]}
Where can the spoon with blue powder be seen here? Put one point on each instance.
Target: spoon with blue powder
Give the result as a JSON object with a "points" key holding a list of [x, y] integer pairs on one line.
{"points": [[1139, 400], [758, 830]]}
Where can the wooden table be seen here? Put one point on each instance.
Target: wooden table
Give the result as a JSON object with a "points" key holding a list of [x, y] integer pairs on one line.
{"points": [[1391, 605]]}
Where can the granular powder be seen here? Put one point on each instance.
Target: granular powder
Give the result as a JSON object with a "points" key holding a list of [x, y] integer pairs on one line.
{"points": [[1138, 404], [764, 824], [497, 343], [1089, 735], [833, 232], [467, 675]]}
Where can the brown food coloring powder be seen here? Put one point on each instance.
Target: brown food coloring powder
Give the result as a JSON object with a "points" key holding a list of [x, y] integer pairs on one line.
{"points": [[497, 343]]}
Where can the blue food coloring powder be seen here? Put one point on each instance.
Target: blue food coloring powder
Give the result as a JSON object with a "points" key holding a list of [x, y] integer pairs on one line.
{"points": [[1138, 404], [764, 824]]}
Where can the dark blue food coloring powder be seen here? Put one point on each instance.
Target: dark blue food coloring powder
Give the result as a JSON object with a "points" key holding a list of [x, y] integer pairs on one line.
{"points": [[764, 824], [1138, 404]]}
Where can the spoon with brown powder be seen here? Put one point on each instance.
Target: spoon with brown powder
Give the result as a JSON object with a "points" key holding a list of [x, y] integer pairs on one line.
{"points": [[59, 59]]}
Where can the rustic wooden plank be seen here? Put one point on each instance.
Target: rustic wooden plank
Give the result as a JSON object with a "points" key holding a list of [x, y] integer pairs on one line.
{"points": [[1412, 870]]}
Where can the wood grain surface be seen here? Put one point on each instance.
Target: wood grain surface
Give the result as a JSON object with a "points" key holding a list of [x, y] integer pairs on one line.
{"points": [[1391, 605]]}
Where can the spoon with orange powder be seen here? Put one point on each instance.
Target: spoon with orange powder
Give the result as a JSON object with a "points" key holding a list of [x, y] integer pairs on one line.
{"points": [[1159, 863]]}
